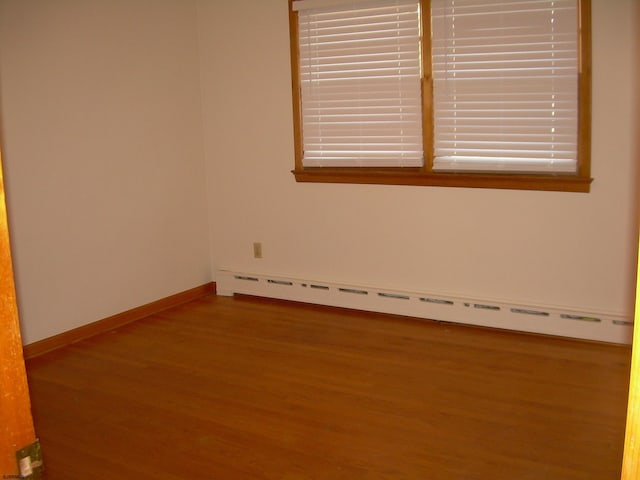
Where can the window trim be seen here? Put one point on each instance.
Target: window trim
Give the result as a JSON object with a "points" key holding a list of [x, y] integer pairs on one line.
{"points": [[425, 176]]}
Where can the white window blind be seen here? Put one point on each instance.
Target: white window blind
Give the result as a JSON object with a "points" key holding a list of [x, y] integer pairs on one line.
{"points": [[505, 85], [361, 102]]}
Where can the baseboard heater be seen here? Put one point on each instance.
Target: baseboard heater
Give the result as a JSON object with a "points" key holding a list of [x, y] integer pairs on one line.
{"points": [[560, 321]]}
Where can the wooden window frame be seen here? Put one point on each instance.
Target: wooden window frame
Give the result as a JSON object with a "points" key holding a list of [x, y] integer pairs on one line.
{"points": [[425, 176]]}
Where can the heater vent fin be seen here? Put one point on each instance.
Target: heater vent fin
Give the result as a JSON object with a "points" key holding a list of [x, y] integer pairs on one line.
{"points": [[354, 290], [394, 295], [579, 317], [527, 311], [483, 306], [622, 323], [439, 301], [244, 277]]}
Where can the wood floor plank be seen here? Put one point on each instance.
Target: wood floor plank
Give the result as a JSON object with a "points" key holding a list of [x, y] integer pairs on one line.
{"points": [[241, 388]]}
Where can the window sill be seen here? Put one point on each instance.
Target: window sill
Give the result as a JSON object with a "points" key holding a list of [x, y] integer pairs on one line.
{"points": [[414, 176]]}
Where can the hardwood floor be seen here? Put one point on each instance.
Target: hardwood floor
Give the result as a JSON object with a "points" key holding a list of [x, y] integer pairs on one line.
{"points": [[241, 388]]}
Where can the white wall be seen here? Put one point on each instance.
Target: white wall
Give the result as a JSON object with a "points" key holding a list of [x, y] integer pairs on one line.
{"points": [[565, 249], [103, 153], [101, 123]]}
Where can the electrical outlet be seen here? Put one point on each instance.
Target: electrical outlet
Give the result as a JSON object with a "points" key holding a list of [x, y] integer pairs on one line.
{"points": [[257, 250], [30, 461]]}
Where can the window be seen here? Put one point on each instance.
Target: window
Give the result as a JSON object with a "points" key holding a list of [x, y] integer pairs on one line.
{"points": [[469, 93]]}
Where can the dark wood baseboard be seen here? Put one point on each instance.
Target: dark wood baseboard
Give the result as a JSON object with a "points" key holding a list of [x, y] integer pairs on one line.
{"points": [[95, 328]]}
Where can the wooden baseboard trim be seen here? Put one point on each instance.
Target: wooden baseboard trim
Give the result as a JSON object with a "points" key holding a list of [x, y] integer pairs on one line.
{"points": [[95, 328]]}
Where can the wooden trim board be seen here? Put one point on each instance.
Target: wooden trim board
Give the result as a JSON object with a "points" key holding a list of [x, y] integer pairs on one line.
{"points": [[631, 459], [16, 423], [95, 328]]}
